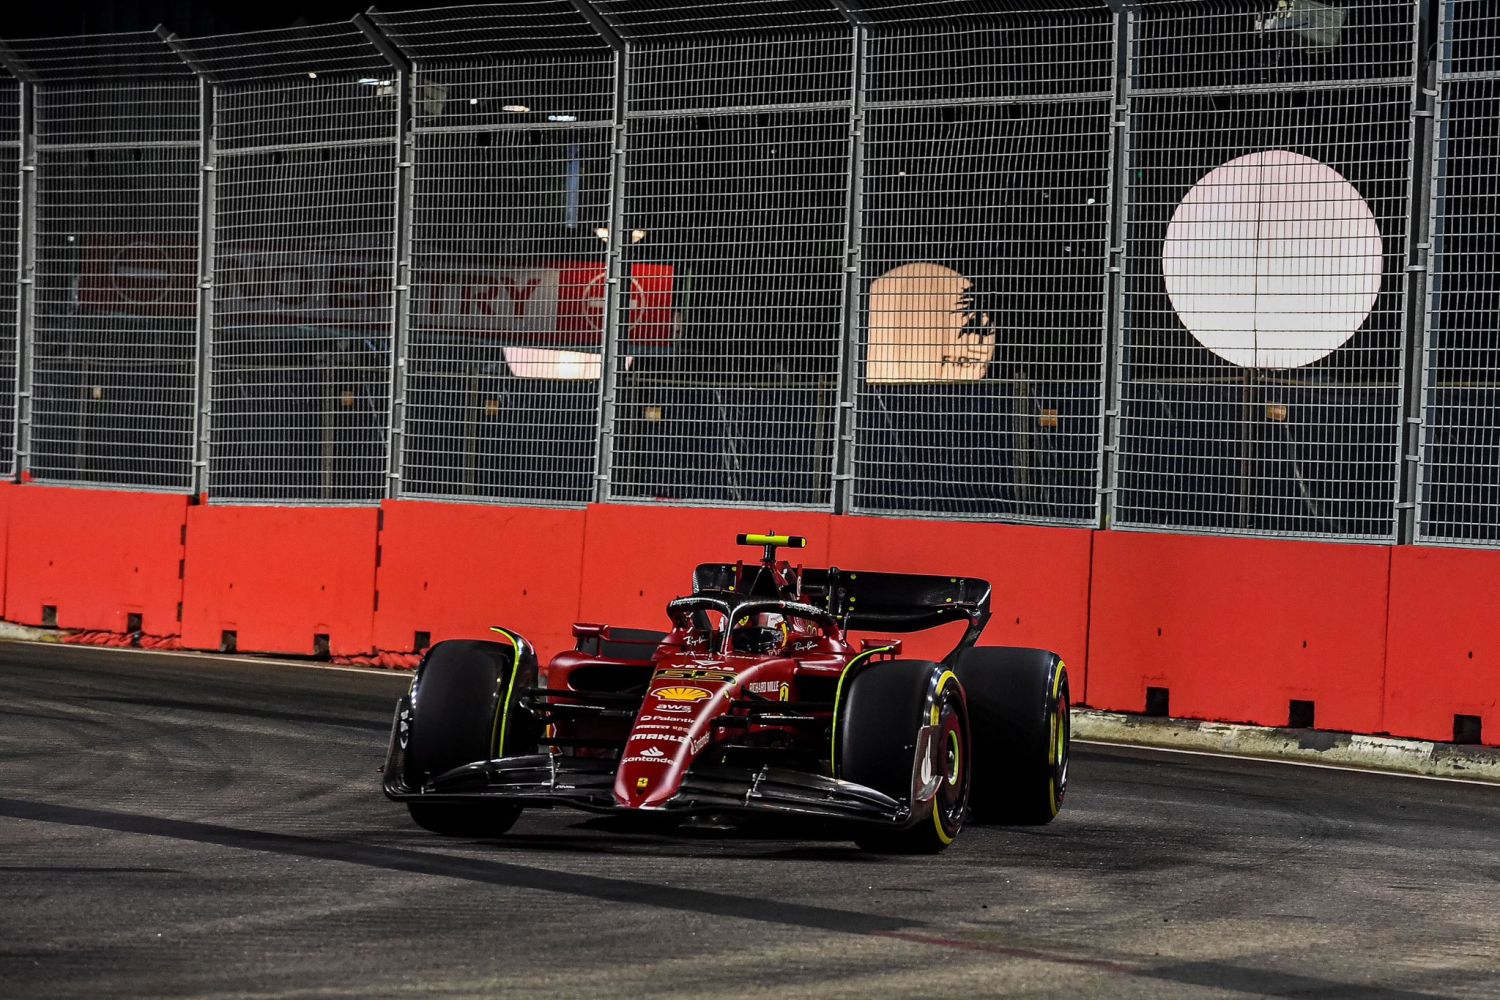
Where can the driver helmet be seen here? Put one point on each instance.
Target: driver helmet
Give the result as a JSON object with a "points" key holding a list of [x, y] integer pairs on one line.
{"points": [[764, 632]]}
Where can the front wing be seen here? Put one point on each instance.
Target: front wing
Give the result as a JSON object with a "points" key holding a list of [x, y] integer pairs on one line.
{"points": [[588, 783]]}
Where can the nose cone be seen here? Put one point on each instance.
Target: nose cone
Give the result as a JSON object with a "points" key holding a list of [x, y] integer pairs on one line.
{"points": [[671, 730]]}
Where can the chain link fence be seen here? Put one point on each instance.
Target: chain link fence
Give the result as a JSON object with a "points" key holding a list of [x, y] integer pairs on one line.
{"points": [[1157, 264], [1268, 183], [983, 244], [303, 227], [512, 160], [1460, 491], [12, 278], [734, 211], [113, 355]]}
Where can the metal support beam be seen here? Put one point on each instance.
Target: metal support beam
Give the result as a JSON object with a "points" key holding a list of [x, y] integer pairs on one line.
{"points": [[616, 288], [1114, 308], [846, 424], [602, 27], [1425, 193], [203, 363], [25, 283], [401, 250]]}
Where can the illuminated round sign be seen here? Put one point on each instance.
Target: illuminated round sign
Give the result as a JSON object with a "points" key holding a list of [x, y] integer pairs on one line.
{"points": [[1272, 260]]}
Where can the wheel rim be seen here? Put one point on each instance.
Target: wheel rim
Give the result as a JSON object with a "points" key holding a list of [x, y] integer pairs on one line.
{"points": [[953, 795], [1061, 744]]}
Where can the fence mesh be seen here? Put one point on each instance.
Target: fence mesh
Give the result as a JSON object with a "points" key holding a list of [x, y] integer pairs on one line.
{"points": [[512, 164], [1265, 288], [306, 122], [10, 263], [735, 211], [1460, 491], [984, 231], [113, 360], [866, 240]]}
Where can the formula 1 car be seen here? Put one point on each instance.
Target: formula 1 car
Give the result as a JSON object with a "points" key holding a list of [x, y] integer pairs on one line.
{"points": [[755, 702]]}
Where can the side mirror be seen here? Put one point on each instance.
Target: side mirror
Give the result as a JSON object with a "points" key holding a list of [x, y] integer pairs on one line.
{"points": [[865, 645]]}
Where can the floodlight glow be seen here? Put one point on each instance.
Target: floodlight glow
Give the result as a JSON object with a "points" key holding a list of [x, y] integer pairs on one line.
{"points": [[550, 363], [1272, 260]]}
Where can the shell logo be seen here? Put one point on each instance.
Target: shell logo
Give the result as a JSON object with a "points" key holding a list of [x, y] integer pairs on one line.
{"points": [[681, 694]]}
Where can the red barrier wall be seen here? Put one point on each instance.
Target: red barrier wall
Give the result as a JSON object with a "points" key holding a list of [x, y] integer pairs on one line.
{"points": [[97, 556], [1039, 578], [1237, 628], [453, 570], [279, 575], [1397, 639], [1443, 642], [7, 493], [637, 558]]}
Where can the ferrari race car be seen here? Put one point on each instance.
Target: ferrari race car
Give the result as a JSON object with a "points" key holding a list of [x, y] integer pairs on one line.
{"points": [[755, 702]]}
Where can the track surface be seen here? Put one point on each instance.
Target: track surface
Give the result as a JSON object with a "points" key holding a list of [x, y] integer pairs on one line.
{"points": [[186, 826]]}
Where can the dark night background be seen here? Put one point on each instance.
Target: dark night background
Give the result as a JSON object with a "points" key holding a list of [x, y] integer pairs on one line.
{"points": [[80, 17]]}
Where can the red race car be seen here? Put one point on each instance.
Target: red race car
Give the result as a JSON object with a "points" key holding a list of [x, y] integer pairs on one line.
{"points": [[755, 702]]}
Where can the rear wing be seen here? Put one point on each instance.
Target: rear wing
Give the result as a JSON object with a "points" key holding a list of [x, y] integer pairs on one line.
{"points": [[872, 602]]}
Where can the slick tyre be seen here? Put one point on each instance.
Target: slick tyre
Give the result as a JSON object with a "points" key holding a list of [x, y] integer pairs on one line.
{"points": [[881, 714], [458, 713], [1018, 702]]}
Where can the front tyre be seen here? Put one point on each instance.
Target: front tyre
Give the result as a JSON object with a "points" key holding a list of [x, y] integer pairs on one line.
{"points": [[462, 711], [881, 718], [1018, 700]]}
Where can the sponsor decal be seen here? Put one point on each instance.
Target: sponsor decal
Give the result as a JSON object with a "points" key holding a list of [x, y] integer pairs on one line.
{"points": [[784, 693], [677, 723], [673, 708], [681, 724], [765, 687], [653, 752], [681, 694], [805, 645], [641, 783], [658, 738], [715, 676], [642, 759], [698, 744]]}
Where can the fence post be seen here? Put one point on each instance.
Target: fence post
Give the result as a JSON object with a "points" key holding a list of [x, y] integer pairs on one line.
{"points": [[1424, 192], [401, 260], [1114, 312], [25, 276], [205, 282], [617, 290], [846, 426]]}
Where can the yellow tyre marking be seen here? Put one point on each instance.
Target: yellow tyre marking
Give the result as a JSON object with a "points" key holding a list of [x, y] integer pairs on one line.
{"points": [[838, 697], [937, 812], [1055, 742], [937, 823], [502, 716]]}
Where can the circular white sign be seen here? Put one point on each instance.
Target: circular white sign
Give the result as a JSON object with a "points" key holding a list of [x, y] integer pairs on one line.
{"points": [[1272, 260]]}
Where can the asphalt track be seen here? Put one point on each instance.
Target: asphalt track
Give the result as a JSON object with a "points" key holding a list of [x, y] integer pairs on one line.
{"points": [[192, 826]]}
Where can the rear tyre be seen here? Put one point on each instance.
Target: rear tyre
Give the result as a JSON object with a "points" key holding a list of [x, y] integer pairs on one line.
{"points": [[880, 715], [459, 716], [1018, 701]]}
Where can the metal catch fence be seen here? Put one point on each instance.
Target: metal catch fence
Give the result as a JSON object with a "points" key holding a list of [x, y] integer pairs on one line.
{"points": [[1459, 499], [1204, 265]]}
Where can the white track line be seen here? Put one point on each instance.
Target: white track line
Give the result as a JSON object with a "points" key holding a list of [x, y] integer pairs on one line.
{"points": [[1282, 760]]}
